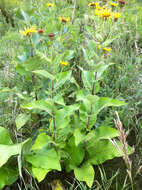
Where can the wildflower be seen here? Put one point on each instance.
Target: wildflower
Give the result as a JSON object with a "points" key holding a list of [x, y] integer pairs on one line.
{"points": [[65, 63], [106, 13], [107, 49], [29, 31], [116, 16], [122, 2], [40, 31], [113, 4], [99, 8], [50, 4], [64, 19], [98, 13], [51, 35], [93, 4]]}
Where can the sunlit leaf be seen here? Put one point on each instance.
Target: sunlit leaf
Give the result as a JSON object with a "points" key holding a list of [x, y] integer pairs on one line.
{"points": [[39, 173], [44, 74], [44, 158], [5, 136], [85, 173], [45, 105], [21, 120]]}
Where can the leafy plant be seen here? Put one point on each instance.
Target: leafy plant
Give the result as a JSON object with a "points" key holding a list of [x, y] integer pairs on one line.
{"points": [[61, 71]]}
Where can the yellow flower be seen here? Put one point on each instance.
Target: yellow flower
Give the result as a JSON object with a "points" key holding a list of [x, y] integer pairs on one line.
{"points": [[113, 4], [106, 13], [99, 8], [93, 4], [107, 49], [64, 19], [28, 31], [116, 15], [98, 13], [50, 4], [99, 46], [65, 63]]}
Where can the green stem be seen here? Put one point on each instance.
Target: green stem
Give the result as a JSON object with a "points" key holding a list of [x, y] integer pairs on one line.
{"points": [[91, 109], [53, 113], [74, 11]]}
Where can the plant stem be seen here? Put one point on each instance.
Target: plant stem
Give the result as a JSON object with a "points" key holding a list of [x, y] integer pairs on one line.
{"points": [[33, 83], [53, 113], [93, 88], [74, 11], [91, 109]]}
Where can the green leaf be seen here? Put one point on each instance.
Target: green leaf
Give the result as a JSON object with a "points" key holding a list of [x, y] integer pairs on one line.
{"points": [[79, 137], [109, 41], [21, 120], [8, 175], [43, 57], [5, 136], [85, 173], [7, 151], [32, 64], [44, 74], [45, 105], [68, 55], [103, 132], [101, 68], [21, 70], [82, 3], [89, 77], [82, 95], [58, 99], [39, 173], [63, 115], [98, 103], [6, 89], [105, 102], [61, 78], [42, 140], [44, 158], [75, 154], [102, 150]]}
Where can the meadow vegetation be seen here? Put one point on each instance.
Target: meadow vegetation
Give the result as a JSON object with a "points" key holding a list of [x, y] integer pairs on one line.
{"points": [[70, 94]]}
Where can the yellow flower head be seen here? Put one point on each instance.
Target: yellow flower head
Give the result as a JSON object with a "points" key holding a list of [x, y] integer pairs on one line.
{"points": [[64, 19], [50, 4], [107, 49], [99, 8], [93, 4], [106, 13], [113, 4], [29, 31], [64, 63], [98, 13], [117, 15]]}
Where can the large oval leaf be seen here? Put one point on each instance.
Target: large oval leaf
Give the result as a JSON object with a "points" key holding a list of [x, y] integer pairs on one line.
{"points": [[85, 173], [44, 158]]}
